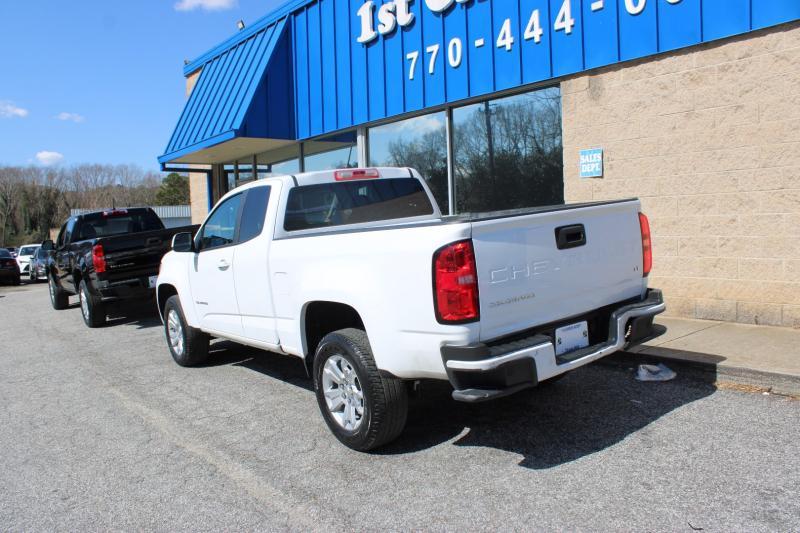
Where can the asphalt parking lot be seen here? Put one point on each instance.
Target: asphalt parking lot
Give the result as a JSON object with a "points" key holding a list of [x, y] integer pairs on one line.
{"points": [[101, 430]]}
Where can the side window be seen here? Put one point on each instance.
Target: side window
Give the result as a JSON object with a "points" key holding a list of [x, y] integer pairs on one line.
{"points": [[254, 213], [220, 228], [61, 235], [68, 232]]}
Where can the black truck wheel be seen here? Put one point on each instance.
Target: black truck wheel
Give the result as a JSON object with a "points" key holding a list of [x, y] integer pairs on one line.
{"points": [[363, 409], [58, 298], [188, 345], [92, 309]]}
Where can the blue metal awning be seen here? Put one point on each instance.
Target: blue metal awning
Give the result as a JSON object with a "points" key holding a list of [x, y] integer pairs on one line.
{"points": [[232, 86]]}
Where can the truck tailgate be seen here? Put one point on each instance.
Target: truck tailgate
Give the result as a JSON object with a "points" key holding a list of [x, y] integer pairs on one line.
{"points": [[526, 278], [137, 254]]}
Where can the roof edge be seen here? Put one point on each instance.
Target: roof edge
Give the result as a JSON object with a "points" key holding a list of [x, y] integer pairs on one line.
{"points": [[207, 143], [284, 10]]}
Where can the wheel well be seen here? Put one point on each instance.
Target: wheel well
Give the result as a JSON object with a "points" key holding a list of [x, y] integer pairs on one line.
{"points": [[322, 318], [164, 294]]}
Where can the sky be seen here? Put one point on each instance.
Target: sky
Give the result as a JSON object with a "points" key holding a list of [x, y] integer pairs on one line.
{"points": [[101, 81]]}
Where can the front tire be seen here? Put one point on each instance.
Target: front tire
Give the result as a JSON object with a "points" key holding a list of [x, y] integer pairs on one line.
{"points": [[362, 408], [188, 345], [58, 298], [92, 309]]}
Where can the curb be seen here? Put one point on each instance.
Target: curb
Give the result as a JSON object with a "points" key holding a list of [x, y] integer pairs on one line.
{"points": [[711, 373]]}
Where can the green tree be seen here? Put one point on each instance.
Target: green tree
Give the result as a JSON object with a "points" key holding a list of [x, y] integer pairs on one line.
{"points": [[174, 190]]}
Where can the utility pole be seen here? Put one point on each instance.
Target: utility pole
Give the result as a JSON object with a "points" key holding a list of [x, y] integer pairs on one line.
{"points": [[487, 112]]}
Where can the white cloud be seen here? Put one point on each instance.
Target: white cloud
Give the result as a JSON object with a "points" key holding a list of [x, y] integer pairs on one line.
{"points": [[9, 110], [206, 5], [416, 126], [72, 117], [49, 158]]}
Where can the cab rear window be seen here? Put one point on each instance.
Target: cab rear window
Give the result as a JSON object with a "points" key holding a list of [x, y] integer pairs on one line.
{"points": [[118, 222], [355, 202]]}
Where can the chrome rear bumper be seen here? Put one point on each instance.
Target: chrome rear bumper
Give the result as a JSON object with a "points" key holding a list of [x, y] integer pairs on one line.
{"points": [[482, 372]]}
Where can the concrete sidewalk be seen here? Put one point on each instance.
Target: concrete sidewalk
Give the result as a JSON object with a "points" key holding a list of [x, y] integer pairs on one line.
{"points": [[762, 356]]}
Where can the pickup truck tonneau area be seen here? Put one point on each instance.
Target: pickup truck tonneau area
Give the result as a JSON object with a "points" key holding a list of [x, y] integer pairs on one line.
{"points": [[358, 273]]}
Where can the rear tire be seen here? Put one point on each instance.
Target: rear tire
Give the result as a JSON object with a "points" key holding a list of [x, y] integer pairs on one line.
{"points": [[58, 298], [187, 345], [17, 280], [92, 309], [362, 408]]}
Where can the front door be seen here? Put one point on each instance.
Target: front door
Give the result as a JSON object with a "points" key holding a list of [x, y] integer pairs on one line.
{"points": [[212, 273]]}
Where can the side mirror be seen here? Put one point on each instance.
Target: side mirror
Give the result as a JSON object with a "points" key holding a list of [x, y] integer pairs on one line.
{"points": [[182, 243], [48, 246]]}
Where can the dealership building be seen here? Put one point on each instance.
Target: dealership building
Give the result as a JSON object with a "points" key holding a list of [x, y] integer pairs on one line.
{"points": [[691, 105]]}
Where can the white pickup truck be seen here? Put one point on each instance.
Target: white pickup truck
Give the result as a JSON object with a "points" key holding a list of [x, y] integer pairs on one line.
{"points": [[358, 273]]}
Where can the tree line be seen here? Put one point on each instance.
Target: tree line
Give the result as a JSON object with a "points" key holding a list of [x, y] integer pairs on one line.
{"points": [[33, 200]]}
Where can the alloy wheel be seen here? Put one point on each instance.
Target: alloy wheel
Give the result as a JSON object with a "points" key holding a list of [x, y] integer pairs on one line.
{"points": [[343, 393], [175, 332]]}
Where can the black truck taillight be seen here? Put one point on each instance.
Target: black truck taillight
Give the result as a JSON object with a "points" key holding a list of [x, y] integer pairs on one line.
{"points": [[455, 284], [99, 258]]}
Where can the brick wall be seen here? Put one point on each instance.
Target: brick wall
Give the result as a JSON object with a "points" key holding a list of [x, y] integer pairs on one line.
{"points": [[709, 139], [198, 196]]}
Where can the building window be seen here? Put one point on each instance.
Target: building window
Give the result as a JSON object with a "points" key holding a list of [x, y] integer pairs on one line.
{"points": [[419, 143], [279, 162], [329, 153], [508, 153]]}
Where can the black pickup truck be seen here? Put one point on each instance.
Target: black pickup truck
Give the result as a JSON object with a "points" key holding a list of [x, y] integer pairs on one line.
{"points": [[107, 257]]}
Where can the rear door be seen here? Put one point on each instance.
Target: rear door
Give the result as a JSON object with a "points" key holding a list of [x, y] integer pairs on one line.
{"points": [[544, 267], [250, 264], [211, 273]]}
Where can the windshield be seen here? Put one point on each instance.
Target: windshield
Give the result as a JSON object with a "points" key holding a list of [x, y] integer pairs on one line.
{"points": [[5, 254], [26, 251]]}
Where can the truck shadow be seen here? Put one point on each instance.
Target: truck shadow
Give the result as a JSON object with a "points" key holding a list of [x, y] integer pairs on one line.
{"points": [[143, 315], [588, 411]]}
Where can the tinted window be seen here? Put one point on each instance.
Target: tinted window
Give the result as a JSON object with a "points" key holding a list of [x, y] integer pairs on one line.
{"points": [[118, 222], [355, 202], [5, 254], [68, 232], [220, 229], [254, 213], [61, 236]]}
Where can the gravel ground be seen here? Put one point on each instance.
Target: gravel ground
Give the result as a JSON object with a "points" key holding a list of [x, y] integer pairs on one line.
{"points": [[101, 430]]}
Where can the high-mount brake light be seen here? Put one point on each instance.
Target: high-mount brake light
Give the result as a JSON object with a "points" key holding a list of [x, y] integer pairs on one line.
{"points": [[357, 174], [455, 284], [99, 258], [647, 245], [115, 213]]}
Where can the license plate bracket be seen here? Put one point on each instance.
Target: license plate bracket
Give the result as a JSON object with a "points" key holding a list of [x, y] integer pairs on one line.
{"points": [[572, 337]]}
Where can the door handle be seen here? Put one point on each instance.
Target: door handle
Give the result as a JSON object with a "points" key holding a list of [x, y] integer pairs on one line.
{"points": [[223, 265]]}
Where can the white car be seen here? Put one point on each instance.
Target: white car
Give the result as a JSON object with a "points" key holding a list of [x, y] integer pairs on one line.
{"points": [[24, 256], [357, 273]]}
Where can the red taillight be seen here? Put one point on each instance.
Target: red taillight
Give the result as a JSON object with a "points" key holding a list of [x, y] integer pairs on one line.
{"points": [[99, 259], [455, 283], [647, 245], [356, 174]]}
